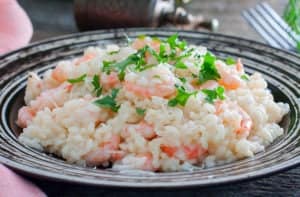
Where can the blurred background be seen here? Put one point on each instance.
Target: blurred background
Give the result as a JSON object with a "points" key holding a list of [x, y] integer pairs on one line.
{"points": [[56, 17]]}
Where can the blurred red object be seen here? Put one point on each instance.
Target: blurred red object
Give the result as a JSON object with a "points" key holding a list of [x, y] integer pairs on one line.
{"points": [[13, 185], [15, 26]]}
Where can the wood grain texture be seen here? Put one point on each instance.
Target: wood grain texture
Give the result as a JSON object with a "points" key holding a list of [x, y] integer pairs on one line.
{"points": [[55, 17]]}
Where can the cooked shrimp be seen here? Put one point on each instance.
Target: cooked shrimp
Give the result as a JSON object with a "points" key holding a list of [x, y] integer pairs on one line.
{"points": [[61, 72], [141, 42], [25, 116], [185, 152], [109, 80], [239, 66], [210, 84], [107, 151], [51, 98], [85, 58], [143, 128], [34, 87], [153, 43], [230, 78], [244, 124], [48, 99], [157, 81]]}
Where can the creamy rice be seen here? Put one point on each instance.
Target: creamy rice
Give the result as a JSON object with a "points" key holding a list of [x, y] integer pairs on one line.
{"points": [[152, 105]]}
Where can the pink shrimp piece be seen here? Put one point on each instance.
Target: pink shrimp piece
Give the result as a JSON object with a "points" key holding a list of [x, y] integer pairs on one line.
{"points": [[48, 99], [141, 42], [25, 116], [143, 128], [34, 87], [160, 90], [191, 152], [210, 84], [59, 74], [229, 78], [51, 98], [148, 164], [85, 58], [239, 66], [169, 150], [158, 81], [194, 151], [107, 151], [246, 122], [109, 81]]}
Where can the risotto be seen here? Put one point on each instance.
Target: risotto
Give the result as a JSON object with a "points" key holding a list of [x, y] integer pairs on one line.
{"points": [[154, 105]]}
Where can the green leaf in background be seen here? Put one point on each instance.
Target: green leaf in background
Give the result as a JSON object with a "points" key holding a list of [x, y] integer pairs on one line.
{"points": [[292, 17]]}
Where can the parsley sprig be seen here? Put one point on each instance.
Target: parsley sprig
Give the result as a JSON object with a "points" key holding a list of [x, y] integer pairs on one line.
{"points": [[181, 97], [140, 111], [208, 69], [230, 61], [217, 93], [97, 86], [78, 79], [109, 101]]}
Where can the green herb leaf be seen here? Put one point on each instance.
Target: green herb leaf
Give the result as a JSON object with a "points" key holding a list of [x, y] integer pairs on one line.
{"points": [[78, 79], [208, 69], [216, 93], [292, 15], [97, 86], [181, 97], [107, 66], [142, 36], [245, 77], [180, 65], [113, 52], [140, 111], [182, 79], [230, 61], [109, 101], [162, 56], [186, 53], [175, 43]]}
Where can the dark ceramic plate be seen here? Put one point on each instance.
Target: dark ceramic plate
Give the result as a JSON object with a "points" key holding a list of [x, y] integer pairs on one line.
{"points": [[280, 68]]}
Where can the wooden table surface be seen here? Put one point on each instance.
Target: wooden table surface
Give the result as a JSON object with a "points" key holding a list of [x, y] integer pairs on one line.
{"points": [[55, 17]]}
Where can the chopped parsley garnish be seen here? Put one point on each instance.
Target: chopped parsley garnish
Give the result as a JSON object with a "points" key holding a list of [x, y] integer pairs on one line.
{"points": [[142, 36], [181, 97], [174, 42], [107, 66], [182, 79], [109, 101], [162, 56], [180, 65], [185, 53], [216, 93], [78, 79], [230, 61], [208, 69], [113, 52], [140, 111], [97, 86], [245, 77]]}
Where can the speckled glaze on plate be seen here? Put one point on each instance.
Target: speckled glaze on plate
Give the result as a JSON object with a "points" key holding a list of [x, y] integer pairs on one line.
{"points": [[280, 68]]}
